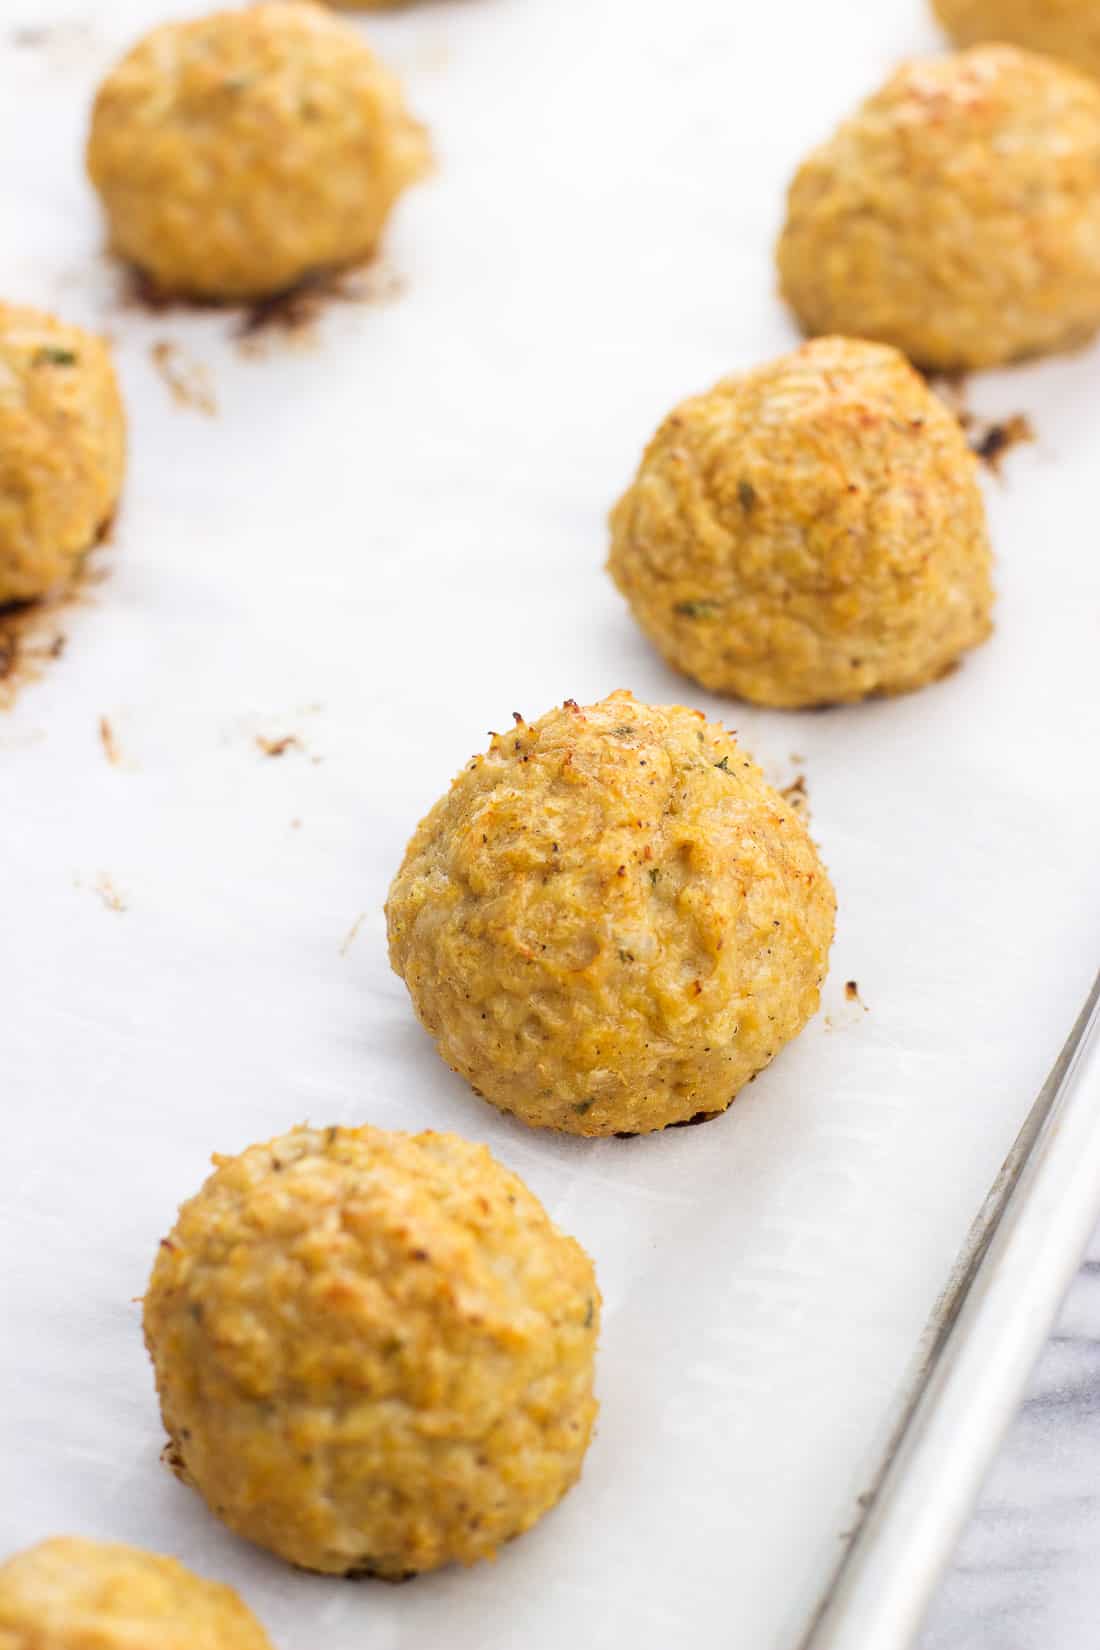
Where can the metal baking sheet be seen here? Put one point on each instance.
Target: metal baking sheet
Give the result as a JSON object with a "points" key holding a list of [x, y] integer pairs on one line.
{"points": [[379, 536]]}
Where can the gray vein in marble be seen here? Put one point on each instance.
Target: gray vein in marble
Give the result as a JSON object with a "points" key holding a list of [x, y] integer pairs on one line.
{"points": [[1027, 1572]]}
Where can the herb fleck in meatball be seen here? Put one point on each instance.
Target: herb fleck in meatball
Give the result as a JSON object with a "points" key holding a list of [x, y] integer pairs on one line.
{"points": [[610, 922], [69, 1594], [1069, 29], [956, 214], [62, 449], [808, 533], [374, 1351], [239, 154]]}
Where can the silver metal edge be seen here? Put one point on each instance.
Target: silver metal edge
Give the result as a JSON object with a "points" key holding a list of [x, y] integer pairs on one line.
{"points": [[973, 1360]]}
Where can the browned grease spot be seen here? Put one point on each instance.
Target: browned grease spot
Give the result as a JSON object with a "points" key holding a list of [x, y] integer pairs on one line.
{"points": [[989, 440], [278, 747], [796, 796], [173, 1460], [109, 742], [293, 314], [851, 992], [29, 639], [30, 632], [188, 381], [296, 310], [139, 291], [993, 441]]}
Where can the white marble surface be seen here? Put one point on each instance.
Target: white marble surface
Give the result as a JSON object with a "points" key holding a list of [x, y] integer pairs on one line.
{"points": [[1025, 1576]]}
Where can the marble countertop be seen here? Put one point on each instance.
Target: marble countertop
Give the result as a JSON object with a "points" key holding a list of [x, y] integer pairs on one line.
{"points": [[1025, 1576]]}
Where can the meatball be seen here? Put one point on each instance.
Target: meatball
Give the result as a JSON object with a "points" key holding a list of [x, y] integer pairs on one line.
{"points": [[611, 923], [62, 449], [374, 1351], [69, 1594], [809, 533], [956, 215], [1069, 29], [242, 153]]}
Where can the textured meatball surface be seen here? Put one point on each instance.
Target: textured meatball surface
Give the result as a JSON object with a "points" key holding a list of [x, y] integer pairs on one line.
{"points": [[70, 1594], [62, 449], [374, 1351], [241, 153], [956, 215], [1069, 29], [611, 922], [808, 533]]}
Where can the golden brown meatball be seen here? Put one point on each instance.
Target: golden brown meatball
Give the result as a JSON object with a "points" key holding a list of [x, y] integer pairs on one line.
{"points": [[62, 449], [374, 1351], [808, 533], [956, 214], [239, 154], [1069, 29], [611, 923], [69, 1594]]}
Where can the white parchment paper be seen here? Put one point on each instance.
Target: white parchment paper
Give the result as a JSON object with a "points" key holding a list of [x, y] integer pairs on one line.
{"points": [[385, 541]]}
